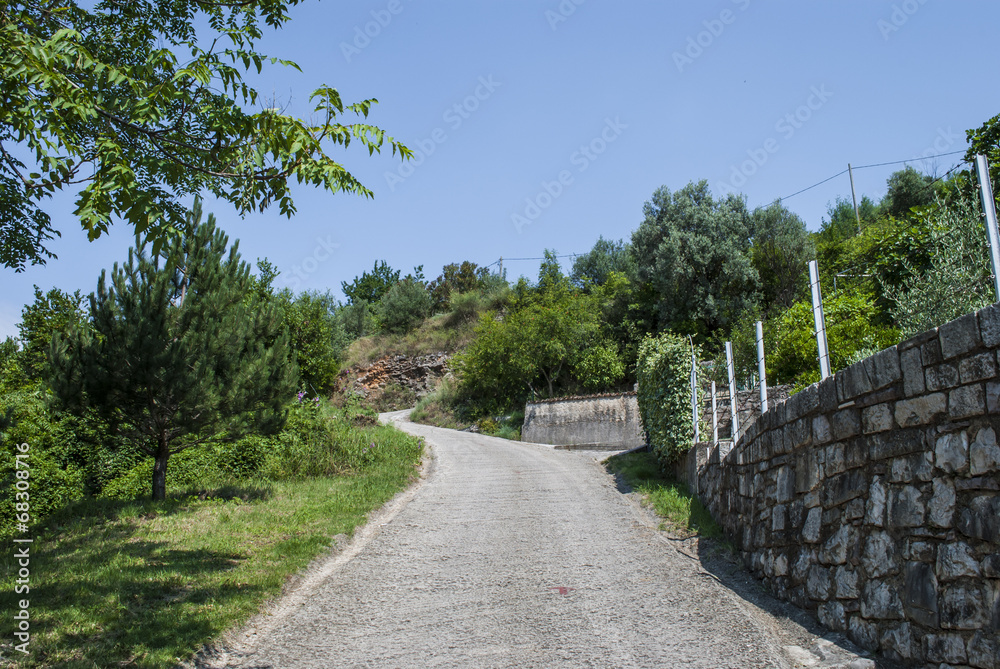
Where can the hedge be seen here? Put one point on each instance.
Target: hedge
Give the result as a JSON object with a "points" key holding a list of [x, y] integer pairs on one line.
{"points": [[664, 395]]}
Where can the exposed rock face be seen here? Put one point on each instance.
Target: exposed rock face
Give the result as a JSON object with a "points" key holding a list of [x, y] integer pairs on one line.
{"points": [[420, 374]]}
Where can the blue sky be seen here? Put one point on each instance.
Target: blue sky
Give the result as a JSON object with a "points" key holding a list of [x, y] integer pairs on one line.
{"points": [[545, 124]]}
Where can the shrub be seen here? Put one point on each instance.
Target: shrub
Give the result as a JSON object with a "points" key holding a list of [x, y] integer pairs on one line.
{"points": [[466, 307], [599, 367], [403, 307], [664, 397], [850, 327]]}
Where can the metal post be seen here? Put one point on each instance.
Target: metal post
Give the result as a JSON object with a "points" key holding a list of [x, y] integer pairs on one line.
{"points": [[990, 208], [817, 299], [854, 197], [694, 393], [715, 420], [760, 367], [732, 392]]}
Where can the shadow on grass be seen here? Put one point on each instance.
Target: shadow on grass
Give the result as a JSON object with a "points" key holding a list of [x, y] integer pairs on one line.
{"points": [[102, 594]]}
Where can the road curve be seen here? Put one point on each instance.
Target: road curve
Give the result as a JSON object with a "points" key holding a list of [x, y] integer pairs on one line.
{"points": [[513, 555]]}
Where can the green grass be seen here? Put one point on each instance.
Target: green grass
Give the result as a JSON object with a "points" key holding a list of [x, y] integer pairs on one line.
{"points": [[141, 584], [682, 512]]}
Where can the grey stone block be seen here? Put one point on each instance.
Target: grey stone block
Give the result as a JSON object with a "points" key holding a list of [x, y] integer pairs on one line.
{"points": [[977, 368], [802, 403], [879, 601], [964, 607], [920, 601], [843, 488], [834, 550], [863, 633], [836, 463], [960, 336], [930, 353], [984, 650], [905, 508], [989, 326], [993, 397], [854, 381], [981, 519], [785, 490], [818, 583], [913, 372], [949, 648], [879, 557], [956, 560], [984, 453], [821, 431], [877, 418], [799, 432], [827, 391], [941, 508], [920, 410], [833, 615], [906, 468], [814, 523], [941, 377], [846, 424], [898, 641], [845, 582], [875, 511], [967, 401], [885, 368], [951, 452]]}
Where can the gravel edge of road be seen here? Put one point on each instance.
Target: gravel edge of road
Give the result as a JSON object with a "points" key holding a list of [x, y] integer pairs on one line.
{"points": [[241, 641]]}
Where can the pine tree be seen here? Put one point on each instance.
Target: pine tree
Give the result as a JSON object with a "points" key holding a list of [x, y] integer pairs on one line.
{"points": [[175, 357]]}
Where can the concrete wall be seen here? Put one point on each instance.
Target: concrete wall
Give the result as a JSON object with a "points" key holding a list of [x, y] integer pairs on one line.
{"points": [[598, 421], [873, 497]]}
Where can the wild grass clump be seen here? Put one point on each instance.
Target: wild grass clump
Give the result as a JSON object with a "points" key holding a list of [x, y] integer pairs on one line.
{"points": [[681, 511]]}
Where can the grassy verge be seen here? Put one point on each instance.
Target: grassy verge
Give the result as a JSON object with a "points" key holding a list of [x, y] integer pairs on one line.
{"points": [[682, 512], [139, 584], [438, 333]]}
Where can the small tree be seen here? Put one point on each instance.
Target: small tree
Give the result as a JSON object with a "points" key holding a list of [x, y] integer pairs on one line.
{"points": [[404, 306], [175, 358]]}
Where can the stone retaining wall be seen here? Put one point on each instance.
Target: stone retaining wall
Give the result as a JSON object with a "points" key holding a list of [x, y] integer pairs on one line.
{"points": [[873, 497], [602, 422]]}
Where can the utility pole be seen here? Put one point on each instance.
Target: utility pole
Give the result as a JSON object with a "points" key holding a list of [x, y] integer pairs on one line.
{"points": [[854, 197], [501, 265], [990, 209]]}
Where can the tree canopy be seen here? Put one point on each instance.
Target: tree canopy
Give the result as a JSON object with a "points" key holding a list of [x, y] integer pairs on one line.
{"points": [[139, 104], [175, 356]]}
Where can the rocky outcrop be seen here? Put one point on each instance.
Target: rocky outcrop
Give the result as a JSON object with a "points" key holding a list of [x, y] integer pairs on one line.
{"points": [[420, 374]]}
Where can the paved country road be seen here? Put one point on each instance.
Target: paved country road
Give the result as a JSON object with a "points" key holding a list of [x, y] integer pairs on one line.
{"points": [[516, 555]]}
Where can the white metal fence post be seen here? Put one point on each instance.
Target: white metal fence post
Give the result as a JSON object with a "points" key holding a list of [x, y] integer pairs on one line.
{"points": [[817, 299], [760, 367], [715, 421], [990, 209], [735, 422], [694, 398]]}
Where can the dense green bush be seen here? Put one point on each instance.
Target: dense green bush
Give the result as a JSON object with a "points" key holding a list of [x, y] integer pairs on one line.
{"points": [[664, 375], [599, 367], [317, 337], [850, 328], [404, 307]]}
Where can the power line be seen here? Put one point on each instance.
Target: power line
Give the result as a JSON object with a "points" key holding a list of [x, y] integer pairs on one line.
{"points": [[911, 160]]}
